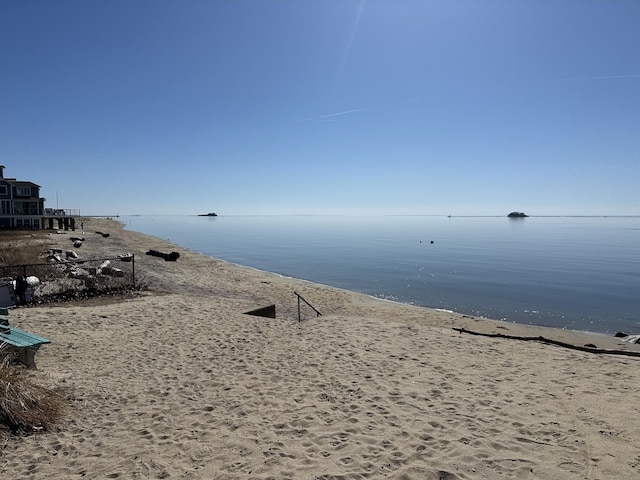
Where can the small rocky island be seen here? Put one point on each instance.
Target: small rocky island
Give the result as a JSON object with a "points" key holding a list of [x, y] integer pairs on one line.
{"points": [[517, 215], [210, 214]]}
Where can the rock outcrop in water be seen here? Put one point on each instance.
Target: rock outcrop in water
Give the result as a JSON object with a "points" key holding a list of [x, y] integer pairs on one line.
{"points": [[517, 215]]}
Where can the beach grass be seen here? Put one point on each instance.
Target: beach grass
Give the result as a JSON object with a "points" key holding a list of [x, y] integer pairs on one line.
{"points": [[18, 247], [25, 405]]}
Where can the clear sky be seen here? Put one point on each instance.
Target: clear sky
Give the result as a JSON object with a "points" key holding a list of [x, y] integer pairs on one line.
{"points": [[473, 107]]}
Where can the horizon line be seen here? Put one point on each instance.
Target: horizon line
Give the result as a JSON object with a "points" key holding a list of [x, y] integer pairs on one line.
{"points": [[365, 215]]}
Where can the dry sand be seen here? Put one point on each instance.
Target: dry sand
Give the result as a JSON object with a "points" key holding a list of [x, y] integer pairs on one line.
{"points": [[179, 383]]}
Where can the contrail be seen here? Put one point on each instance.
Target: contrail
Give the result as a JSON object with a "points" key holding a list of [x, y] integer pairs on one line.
{"points": [[330, 115], [352, 36], [604, 77]]}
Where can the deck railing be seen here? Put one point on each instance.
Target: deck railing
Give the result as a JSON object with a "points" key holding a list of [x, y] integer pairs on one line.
{"points": [[61, 212]]}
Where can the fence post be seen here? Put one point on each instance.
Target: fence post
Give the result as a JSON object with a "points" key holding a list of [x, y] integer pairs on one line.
{"points": [[133, 270]]}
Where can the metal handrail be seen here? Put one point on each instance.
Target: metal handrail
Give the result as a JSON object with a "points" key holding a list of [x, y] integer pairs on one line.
{"points": [[300, 297]]}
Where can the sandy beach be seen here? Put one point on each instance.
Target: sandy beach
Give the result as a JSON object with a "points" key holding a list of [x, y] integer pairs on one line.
{"points": [[178, 382]]}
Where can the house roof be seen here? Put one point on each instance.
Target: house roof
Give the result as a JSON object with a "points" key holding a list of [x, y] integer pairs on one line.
{"points": [[23, 183]]}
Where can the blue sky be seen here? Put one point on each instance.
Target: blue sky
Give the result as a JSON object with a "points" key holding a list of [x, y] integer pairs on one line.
{"points": [[472, 107]]}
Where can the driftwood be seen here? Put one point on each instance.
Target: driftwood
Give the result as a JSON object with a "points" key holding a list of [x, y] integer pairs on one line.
{"points": [[168, 257], [548, 341]]}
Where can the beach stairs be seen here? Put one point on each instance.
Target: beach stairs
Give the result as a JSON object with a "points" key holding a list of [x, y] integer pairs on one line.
{"points": [[18, 343], [266, 312]]}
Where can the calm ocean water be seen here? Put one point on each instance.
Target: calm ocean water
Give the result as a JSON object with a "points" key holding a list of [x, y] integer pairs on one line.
{"points": [[581, 273]]}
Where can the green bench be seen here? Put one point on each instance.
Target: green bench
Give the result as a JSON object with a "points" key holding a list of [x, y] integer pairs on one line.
{"points": [[22, 345]]}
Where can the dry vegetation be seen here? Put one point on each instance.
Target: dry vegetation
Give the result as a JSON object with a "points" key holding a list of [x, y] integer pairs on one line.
{"points": [[25, 406], [18, 246], [23, 248]]}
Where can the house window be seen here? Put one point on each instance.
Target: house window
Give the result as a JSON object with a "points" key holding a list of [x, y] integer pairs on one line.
{"points": [[3, 190], [5, 207], [25, 208], [23, 191]]}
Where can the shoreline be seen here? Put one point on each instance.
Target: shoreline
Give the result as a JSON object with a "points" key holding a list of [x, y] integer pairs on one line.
{"points": [[567, 335], [178, 382], [470, 282]]}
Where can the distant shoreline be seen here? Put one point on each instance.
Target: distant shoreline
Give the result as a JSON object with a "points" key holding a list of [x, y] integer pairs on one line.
{"points": [[348, 215]]}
